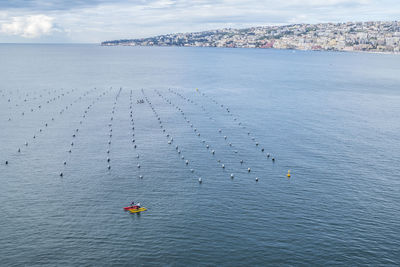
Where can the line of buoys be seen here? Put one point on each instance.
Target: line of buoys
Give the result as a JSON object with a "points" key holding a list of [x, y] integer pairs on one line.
{"points": [[110, 126], [191, 101], [131, 105], [235, 119], [46, 124], [26, 96], [49, 101], [168, 135], [195, 129], [191, 124], [85, 111]]}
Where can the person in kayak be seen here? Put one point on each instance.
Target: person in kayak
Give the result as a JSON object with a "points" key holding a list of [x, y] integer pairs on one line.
{"points": [[135, 206]]}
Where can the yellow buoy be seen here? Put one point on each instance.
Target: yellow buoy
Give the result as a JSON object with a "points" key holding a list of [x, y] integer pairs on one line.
{"points": [[288, 174]]}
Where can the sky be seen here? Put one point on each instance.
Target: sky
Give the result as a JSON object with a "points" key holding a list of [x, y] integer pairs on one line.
{"points": [[93, 21]]}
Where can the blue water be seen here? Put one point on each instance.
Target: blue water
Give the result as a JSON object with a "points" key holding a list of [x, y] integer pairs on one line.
{"points": [[331, 118]]}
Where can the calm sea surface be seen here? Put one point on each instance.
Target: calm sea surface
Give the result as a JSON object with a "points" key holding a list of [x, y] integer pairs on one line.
{"points": [[331, 118]]}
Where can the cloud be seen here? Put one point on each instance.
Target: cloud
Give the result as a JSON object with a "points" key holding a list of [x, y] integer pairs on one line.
{"points": [[35, 5], [32, 26]]}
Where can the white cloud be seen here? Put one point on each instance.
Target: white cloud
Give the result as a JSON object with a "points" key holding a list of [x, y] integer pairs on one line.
{"points": [[32, 26]]}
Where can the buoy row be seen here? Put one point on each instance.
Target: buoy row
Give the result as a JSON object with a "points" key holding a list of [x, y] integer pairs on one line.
{"points": [[141, 101], [27, 98], [262, 149], [41, 105], [83, 118], [188, 100], [47, 123], [169, 137], [110, 131], [249, 134], [241, 125], [195, 129], [219, 130]]}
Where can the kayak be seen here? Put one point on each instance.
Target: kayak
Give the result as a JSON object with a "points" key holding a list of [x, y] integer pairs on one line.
{"points": [[128, 208], [137, 210]]}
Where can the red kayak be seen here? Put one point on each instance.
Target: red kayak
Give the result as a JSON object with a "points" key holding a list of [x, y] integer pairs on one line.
{"points": [[130, 207]]}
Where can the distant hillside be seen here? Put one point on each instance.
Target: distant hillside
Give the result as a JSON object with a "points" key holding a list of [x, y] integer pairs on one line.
{"points": [[374, 36]]}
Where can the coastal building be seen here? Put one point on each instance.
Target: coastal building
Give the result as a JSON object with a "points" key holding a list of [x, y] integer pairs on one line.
{"points": [[360, 36]]}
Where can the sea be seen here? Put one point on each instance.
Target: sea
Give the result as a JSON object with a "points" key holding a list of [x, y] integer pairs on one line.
{"points": [[204, 138]]}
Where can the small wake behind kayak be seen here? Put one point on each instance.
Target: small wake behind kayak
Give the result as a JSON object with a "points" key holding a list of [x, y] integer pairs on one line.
{"points": [[137, 210]]}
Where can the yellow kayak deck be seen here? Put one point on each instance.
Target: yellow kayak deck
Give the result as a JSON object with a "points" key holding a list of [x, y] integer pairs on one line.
{"points": [[137, 210]]}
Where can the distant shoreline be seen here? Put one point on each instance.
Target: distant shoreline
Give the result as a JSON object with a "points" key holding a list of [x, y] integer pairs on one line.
{"points": [[374, 36], [258, 48]]}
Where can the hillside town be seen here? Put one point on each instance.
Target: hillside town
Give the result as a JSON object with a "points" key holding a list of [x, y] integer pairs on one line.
{"points": [[374, 36]]}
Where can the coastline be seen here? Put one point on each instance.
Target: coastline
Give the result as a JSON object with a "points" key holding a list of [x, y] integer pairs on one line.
{"points": [[263, 48], [372, 37]]}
